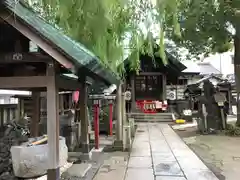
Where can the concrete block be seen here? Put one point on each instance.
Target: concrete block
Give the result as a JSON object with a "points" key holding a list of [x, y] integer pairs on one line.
{"points": [[132, 125], [77, 170], [127, 139], [96, 153]]}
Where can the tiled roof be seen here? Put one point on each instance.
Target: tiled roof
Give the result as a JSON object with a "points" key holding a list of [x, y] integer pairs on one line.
{"points": [[202, 68]]}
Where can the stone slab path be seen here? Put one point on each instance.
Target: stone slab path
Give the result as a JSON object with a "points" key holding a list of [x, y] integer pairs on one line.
{"points": [[158, 153]]}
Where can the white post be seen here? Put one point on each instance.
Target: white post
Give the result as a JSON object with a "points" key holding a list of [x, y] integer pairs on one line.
{"points": [[119, 114]]}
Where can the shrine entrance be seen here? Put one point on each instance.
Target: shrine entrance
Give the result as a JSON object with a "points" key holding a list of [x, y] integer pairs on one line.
{"points": [[148, 87]]}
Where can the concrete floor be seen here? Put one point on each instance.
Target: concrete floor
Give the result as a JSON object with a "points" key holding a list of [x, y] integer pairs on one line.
{"points": [[157, 153]]}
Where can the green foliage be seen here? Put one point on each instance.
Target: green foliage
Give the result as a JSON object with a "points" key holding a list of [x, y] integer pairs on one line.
{"points": [[204, 25], [104, 26]]}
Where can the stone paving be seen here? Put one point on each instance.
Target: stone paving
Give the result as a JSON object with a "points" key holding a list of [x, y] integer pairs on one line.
{"points": [[158, 153]]}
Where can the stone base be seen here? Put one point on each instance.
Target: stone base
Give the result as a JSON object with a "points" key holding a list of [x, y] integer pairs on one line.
{"points": [[53, 174], [118, 145], [96, 153]]}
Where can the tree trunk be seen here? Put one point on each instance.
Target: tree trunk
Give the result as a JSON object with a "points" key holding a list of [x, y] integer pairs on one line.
{"points": [[237, 70]]}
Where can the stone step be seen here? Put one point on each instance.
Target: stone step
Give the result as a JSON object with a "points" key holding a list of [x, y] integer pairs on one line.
{"points": [[149, 117], [152, 114], [169, 118], [156, 117], [153, 120]]}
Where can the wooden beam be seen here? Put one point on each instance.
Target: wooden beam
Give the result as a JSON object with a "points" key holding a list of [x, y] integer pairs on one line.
{"points": [[23, 82], [83, 99], [150, 73], [68, 83], [42, 43], [14, 57]]}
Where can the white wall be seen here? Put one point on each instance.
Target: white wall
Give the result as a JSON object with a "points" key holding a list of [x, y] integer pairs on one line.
{"points": [[5, 99]]}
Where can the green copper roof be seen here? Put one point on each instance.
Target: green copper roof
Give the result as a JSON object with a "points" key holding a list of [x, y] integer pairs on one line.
{"points": [[76, 52]]}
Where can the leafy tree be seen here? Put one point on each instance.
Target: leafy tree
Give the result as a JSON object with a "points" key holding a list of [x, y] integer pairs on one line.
{"points": [[207, 26]]}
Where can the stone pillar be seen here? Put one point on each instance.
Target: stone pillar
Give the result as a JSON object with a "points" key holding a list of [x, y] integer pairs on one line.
{"points": [[34, 128], [84, 115], [124, 117], [118, 144], [53, 172], [133, 99], [110, 117]]}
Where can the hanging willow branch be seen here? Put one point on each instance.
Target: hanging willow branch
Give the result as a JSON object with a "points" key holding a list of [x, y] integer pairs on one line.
{"points": [[108, 27]]}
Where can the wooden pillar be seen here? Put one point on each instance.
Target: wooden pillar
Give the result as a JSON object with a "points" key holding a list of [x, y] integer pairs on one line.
{"points": [[8, 114], [34, 128], [84, 114], [230, 99], [2, 116], [20, 109], [133, 99], [61, 103], [52, 124]]}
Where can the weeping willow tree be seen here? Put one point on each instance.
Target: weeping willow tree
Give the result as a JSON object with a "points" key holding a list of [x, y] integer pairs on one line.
{"points": [[110, 28]]}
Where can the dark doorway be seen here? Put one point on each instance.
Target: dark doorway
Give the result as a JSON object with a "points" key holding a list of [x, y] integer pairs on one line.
{"points": [[148, 87]]}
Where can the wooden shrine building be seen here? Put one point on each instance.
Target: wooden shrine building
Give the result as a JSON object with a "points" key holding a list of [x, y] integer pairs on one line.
{"points": [[149, 86]]}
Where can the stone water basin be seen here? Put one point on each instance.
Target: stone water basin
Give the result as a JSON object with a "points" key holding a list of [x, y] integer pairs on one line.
{"points": [[32, 161]]}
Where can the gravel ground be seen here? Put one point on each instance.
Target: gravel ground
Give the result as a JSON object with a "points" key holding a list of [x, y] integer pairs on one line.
{"points": [[219, 152]]}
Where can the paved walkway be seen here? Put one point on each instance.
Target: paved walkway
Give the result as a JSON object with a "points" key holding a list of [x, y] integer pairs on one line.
{"points": [[159, 154]]}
